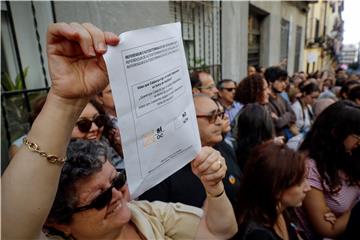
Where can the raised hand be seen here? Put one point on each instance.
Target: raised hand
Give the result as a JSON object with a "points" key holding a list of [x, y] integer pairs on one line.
{"points": [[210, 167], [76, 65]]}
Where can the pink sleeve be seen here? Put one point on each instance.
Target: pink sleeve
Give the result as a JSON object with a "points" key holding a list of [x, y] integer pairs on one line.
{"points": [[313, 175]]}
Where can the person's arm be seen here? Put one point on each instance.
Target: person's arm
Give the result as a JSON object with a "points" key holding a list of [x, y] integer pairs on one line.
{"points": [[210, 167], [316, 208], [77, 72], [286, 119], [283, 120], [13, 149]]}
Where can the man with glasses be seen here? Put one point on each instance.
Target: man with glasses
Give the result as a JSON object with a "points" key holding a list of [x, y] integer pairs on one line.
{"points": [[203, 82], [226, 94], [183, 186]]}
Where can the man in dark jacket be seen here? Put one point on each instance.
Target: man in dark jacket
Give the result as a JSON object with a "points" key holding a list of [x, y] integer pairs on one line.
{"points": [[281, 112]]}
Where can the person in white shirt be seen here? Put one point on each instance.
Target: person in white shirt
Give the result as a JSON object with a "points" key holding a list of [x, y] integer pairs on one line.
{"points": [[303, 106]]}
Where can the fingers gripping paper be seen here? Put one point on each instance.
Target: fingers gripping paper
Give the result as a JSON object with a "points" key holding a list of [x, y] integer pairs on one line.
{"points": [[152, 93]]}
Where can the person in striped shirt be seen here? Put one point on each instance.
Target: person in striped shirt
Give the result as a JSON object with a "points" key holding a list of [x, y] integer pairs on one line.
{"points": [[332, 146]]}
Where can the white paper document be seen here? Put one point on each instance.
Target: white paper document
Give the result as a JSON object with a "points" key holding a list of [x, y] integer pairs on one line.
{"points": [[152, 93]]}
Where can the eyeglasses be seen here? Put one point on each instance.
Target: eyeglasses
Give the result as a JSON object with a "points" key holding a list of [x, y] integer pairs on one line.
{"points": [[105, 197], [229, 89], [211, 86], [84, 125], [212, 117]]}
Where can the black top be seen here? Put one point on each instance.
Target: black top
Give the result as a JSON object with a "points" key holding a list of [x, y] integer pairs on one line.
{"points": [[232, 178], [185, 187], [254, 231]]}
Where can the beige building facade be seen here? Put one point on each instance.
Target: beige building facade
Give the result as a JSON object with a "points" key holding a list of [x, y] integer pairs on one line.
{"points": [[324, 35]]}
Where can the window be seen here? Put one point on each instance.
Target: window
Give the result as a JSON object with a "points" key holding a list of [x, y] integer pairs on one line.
{"points": [[201, 32], [16, 99], [284, 44], [8, 54], [297, 48], [254, 38], [317, 29]]}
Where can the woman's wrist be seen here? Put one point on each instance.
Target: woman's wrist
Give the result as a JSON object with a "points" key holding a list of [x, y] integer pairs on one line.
{"points": [[215, 191], [75, 104], [215, 196]]}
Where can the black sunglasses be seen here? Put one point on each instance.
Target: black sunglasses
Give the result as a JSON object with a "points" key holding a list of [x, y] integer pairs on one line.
{"points": [[105, 197], [84, 125], [213, 116], [229, 89]]}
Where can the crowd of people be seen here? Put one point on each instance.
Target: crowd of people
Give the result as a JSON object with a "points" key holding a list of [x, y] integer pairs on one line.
{"points": [[279, 158]]}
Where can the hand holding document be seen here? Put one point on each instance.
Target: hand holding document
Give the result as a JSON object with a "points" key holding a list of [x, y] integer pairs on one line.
{"points": [[152, 93]]}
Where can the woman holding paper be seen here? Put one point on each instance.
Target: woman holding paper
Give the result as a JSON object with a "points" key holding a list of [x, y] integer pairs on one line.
{"points": [[90, 190]]}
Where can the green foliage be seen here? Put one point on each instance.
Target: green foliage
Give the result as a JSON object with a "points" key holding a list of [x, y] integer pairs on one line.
{"points": [[8, 85]]}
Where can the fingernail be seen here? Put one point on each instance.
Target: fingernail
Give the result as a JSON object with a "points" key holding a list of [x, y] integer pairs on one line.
{"points": [[92, 52], [102, 47]]}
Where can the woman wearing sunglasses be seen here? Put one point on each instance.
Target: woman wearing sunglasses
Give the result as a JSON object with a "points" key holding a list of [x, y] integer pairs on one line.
{"points": [[90, 125], [95, 124], [30, 184]]}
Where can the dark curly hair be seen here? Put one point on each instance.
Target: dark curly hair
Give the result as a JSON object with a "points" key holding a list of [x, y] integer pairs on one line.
{"points": [[324, 143], [250, 89], [108, 123], [84, 158], [275, 73]]}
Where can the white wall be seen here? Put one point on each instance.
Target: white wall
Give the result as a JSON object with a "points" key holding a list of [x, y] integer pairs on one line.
{"points": [[115, 16], [119, 17], [271, 28], [234, 39], [296, 18]]}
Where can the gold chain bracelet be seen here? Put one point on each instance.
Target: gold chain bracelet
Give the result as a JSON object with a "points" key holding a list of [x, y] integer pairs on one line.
{"points": [[35, 148]]}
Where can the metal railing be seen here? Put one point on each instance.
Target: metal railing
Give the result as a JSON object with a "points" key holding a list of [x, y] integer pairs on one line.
{"points": [[201, 32], [16, 105]]}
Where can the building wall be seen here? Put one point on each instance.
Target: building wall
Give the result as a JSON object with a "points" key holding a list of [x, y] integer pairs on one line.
{"points": [[234, 39], [327, 18], [115, 16], [123, 16], [271, 32], [119, 17], [348, 54], [270, 46], [296, 18], [312, 56]]}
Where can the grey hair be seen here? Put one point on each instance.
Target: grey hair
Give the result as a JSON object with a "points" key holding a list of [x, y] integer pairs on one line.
{"points": [[84, 158]]}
